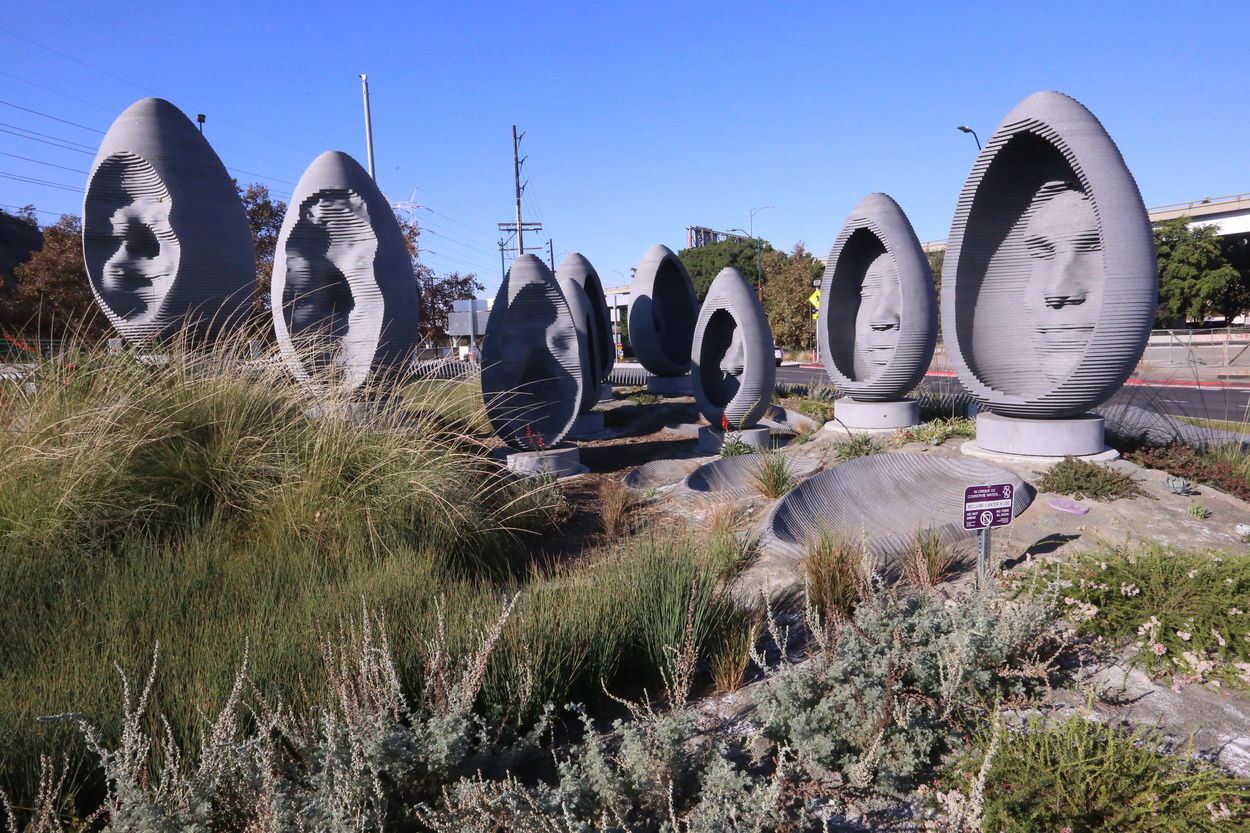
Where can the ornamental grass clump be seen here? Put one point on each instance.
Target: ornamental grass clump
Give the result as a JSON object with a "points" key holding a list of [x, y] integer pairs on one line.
{"points": [[771, 475], [203, 499], [859, 445], [1183, 612], [1081, 775]]}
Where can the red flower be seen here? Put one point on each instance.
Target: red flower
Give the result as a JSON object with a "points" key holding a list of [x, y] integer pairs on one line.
{"points": [[724, 422]]}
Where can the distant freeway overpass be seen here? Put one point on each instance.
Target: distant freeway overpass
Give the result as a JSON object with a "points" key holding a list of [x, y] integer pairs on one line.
{"points": [[1230, 215]]}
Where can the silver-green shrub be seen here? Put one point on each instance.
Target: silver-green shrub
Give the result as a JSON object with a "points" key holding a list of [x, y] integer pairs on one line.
{"points": [[884, 694]]}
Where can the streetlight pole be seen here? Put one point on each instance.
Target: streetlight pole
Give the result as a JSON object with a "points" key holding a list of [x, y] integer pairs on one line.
{"points": [[364, 81], [966, 129], [759, 263]]}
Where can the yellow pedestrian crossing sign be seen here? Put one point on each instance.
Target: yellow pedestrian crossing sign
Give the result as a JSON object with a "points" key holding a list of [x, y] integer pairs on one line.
{"points": [[814, 300]]}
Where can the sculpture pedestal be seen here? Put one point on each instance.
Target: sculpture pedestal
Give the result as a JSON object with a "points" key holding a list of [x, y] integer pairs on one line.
{"points": [[711, 439], [605, 392], [563, 460], [1078, 436], [670, 385], [587, 425], [876, 416]]}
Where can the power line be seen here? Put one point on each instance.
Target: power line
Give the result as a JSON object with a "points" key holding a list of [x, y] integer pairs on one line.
{"points": [[146, 89], [58, 92], [77, 61], [262, 176], [84, 148], [38, 162], [43, 182], [32, 208], [486, 237], [54, 118]]}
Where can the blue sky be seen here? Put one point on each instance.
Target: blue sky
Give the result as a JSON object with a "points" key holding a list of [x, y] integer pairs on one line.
{"points": [[640, 119]]}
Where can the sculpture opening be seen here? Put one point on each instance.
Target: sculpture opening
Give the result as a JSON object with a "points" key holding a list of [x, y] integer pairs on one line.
{"points": [[129, 242], [331, 247], [722, 358]]}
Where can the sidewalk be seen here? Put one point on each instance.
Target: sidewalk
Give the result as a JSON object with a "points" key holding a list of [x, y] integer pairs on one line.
{"points": [[1147, 372]]}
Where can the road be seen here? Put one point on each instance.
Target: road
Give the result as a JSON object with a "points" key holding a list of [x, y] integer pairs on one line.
{"points": [[1178, 399]]}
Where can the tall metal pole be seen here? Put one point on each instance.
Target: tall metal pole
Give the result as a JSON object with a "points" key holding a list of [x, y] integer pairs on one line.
{"points": [[516, 169], [364, 80], [759, 263]]}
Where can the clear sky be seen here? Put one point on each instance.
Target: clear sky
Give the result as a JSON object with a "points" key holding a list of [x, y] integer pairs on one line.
{"points": [[641, 119]]}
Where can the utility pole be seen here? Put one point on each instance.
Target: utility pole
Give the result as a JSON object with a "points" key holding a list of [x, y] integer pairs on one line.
{"points": [[520, 226], [516, 169], [364, 80], [551, 253]]}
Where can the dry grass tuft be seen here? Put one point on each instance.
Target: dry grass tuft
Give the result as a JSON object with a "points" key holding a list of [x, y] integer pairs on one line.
{"points": [[618, 502], [834, 575], [929, 562]]}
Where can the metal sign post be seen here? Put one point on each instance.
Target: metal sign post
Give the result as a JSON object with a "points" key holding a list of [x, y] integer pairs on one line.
{"points": [[986, 507]]}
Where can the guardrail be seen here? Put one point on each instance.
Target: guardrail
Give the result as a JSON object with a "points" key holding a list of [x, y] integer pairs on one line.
{"points": [[1222, 347]]}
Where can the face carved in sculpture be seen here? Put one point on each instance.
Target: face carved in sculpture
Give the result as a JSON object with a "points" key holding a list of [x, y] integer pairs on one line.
{"points": [[140, 270], [879, 316], [1062, 297]]}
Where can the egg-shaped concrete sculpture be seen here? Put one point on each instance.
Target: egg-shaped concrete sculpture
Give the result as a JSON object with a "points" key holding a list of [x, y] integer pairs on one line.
{"points": [[1050, 281], [878, 318], [343, 291], [573, 276], [165, 237], [662, 313], [578, 269], [531, 359], [733, 371]]}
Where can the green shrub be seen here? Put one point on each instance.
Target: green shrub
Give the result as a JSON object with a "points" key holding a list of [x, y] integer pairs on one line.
{"points": [[936, 432], [1185, 612], [1083, 479], [885, 696], [1226, 469], [859, 445], [1081, 775]]}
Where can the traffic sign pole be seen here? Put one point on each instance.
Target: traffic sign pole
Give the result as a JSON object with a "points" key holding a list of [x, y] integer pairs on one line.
{"points": [[986, 507]]}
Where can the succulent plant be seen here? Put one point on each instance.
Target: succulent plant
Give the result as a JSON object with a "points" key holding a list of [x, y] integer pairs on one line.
{"points": [[1179, 486]]}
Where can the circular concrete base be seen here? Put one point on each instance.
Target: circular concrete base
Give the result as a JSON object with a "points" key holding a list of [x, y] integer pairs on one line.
{"points": [[1079, 436], [973, 449], [586, 426], [670, 385], [711, 439], [876, 416], [561, 460]]}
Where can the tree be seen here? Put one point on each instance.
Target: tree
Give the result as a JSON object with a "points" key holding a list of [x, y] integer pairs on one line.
{"points": [[53, 296], [1195, 278], [788, 283], [704, 263], [264, 217], [436, 294]]}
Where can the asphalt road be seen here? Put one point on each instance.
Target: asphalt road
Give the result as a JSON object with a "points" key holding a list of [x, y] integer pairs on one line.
{"points": [[1209, 401]]}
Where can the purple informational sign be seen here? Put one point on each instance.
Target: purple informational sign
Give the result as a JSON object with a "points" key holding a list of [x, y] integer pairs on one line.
{"points": [[988, 506]]}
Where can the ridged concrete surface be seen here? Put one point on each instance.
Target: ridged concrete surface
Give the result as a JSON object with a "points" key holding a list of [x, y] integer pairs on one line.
{"points": [[736, 476], [1050, 283], [662, 313], [577, 268], [733, 369], [166, 241], [343, 292], [885, 498], [531, 359], [878, 317]]}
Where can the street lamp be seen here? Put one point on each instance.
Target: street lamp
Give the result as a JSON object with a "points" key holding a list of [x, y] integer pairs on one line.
{"points": [[759, 265], [974, 135]]}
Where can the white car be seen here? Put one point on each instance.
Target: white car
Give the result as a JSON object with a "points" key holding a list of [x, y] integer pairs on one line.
{"points": [[777, 354]]}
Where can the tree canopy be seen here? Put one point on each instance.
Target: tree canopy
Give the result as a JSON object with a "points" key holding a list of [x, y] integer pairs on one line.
{"points": [[705, 262], [264, 217], [1195, 278], [52, 297]]}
